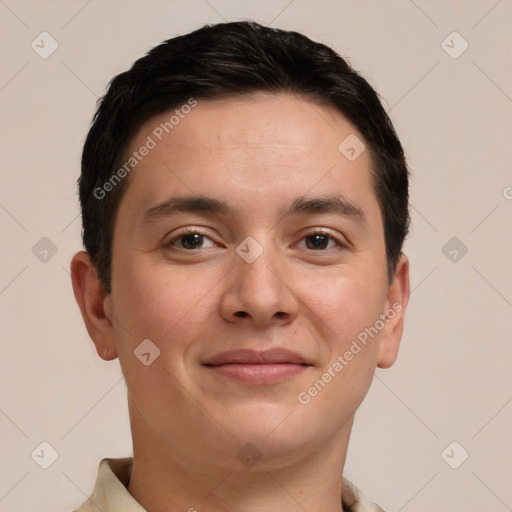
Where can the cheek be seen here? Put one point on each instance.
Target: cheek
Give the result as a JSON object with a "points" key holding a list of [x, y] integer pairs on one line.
{"points": [[342, 306], [342, 311], [347, 302], [157, 301]]}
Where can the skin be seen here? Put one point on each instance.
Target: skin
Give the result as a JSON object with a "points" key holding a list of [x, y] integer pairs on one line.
{"points": [[258, 154]]}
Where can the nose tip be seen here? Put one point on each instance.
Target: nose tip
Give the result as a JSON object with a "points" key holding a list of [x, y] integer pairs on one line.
{"points": [[258, 292]]}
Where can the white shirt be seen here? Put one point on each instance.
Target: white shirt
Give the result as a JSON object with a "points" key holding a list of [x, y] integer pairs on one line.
{"points": [[110, 493]]}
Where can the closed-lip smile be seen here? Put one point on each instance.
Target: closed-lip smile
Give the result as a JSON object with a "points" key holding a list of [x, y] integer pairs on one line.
{"points": [[257, 367]]}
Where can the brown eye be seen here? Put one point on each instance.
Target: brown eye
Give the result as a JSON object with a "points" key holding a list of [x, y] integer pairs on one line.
{"points": [[194, 241], [317, 241], [320, 241], [191, 241]]}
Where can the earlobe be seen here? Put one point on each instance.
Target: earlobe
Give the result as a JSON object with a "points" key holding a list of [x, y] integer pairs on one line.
{"points": [[94, 304], [396, 303]]}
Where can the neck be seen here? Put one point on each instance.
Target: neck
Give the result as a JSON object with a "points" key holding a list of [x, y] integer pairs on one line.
{"points": [[164, 479]]}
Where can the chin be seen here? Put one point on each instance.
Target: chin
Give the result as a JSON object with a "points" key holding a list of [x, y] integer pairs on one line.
{"points": [[275, 431]]}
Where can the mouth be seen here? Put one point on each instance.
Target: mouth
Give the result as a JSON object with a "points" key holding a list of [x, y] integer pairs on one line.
{"points": [[257, 367]]}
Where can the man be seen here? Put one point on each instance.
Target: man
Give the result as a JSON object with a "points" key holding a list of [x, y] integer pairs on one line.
{"points": [[244, 200]]}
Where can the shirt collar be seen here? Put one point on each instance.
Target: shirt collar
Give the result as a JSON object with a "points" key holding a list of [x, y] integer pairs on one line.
{"points": [[110, 493]]}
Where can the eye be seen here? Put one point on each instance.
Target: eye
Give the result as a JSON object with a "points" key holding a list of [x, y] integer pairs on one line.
{"points": [[320, 241], [191, 240]]}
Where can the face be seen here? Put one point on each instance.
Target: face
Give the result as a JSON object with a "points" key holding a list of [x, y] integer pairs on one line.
{"points": [[250, 251]]}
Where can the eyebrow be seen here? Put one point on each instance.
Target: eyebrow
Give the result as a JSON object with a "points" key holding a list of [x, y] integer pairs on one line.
{"points": [[178, 204], [336, 204], [326, 204]]}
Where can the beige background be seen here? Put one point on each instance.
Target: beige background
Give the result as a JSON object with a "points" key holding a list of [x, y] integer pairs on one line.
{"points": [[452, 381]]}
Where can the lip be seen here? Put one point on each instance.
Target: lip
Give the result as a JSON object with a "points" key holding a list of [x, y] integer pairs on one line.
{"points": [[247, 356], [257, 367]]}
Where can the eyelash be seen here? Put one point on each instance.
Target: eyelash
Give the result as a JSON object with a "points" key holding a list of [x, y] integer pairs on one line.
{"points": [[193, 231]]}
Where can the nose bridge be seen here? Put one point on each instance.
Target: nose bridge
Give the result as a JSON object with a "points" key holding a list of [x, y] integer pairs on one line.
{"points": [[260, 274], [257, 272], [259, 287]]}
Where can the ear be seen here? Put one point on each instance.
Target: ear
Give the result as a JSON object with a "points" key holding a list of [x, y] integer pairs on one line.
{"points": [[396, 302], [95, 305]]}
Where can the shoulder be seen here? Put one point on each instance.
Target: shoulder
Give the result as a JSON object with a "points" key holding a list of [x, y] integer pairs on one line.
{"points": [[354, 501]]}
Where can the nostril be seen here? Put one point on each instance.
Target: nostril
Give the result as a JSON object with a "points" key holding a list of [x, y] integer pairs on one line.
{"points": [[241, 313]]}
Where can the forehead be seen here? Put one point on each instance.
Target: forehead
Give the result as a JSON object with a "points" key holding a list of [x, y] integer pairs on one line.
{"points": [[254, 148], [253, 119]]}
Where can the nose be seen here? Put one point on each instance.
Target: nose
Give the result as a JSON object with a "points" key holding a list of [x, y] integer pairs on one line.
{"points": [[259, 293]]}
